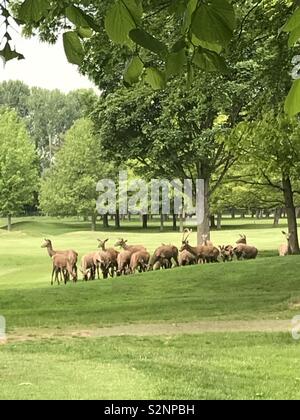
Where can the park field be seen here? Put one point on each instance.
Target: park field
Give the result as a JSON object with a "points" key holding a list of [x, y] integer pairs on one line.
{"points": [[203, 332]]}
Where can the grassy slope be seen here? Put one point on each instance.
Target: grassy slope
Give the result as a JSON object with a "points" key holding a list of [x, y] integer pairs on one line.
{"points": [[253, 290], [204, 366], [246, 290]]}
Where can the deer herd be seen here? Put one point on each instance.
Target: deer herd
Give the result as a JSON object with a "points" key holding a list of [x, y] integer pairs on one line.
{"points": [[135, 258]]}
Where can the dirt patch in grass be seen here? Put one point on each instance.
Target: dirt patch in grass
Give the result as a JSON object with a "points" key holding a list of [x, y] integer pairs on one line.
{"points": [[143, 330]]}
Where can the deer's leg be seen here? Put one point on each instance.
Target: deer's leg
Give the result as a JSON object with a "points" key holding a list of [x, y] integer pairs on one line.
{"points": [[53, 271]]}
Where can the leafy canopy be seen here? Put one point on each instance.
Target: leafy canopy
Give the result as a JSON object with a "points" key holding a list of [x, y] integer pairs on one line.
{"points": [[18, 165]]}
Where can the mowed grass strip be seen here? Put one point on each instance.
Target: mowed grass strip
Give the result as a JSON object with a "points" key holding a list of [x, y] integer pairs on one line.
{"points": [[208, 366], [263, 289]]}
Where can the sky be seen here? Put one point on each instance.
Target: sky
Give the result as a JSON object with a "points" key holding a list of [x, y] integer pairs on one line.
{"points": [[44, 66]]}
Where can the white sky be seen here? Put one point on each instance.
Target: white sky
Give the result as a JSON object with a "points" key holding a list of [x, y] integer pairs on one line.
{"points": [[44, 66]]}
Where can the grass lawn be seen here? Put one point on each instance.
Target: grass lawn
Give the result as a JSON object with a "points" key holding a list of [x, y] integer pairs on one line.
{"points": [[208, 366], [219, 365]]}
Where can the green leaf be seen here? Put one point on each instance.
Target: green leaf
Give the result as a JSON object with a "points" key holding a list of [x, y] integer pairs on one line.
{"points": [[175, 63], [136, 9], [292, 103], [155, 78], [191, 7], [147, 41], [33, 10], [294, 36], [85, 32], [293, 22], [8, 54], [81, 19], [178, 46], [207, 45], [209, 61], [121, 18], [76, 16], [133, 71], [73, 48], [214, 22]]}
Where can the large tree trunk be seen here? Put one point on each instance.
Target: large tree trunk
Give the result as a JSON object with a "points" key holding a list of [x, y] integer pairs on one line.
{"points": [[117, 220], [277, 217], [9, 224], [94, 222], [175, 222], [219, 221], [162, 222], [105, 221], [203, 228], [233, 213], [291, 215], [181, 222], [145, 221]]}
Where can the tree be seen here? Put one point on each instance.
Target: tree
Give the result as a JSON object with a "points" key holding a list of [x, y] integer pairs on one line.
{"points": [[200, 29], [168, 135], [51, 114], [69, 187], [18, 166], [15, 95], [271, 154], [48, 114]]}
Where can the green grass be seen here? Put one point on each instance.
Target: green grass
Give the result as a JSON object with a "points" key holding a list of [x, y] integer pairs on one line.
{"points": [[254, 290], [208, 366], [204, 366]]}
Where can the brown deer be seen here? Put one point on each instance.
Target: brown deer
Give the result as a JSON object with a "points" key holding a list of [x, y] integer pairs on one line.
{"points": [[285, 249], [227, 253], [165, 255], [203, 253], [88, 267], [70, 254], [124, 260], [62, 267], [186, 258], [205, 241], [131, 248], [242, 240], [244, 251], [139, 261], [102, 262], [113, 255]]}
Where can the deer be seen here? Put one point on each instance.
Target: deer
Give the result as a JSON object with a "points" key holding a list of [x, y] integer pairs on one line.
{"points": [[70, 254], [102, 262], [205, 241], [285, 249], [121, 243], [112, 253], [63, 267], [165, 255], [124, 260], [227, 253], [139, 261], [88, 267], [186, 258], [203, 253], [244, 251], [242, 240]]}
